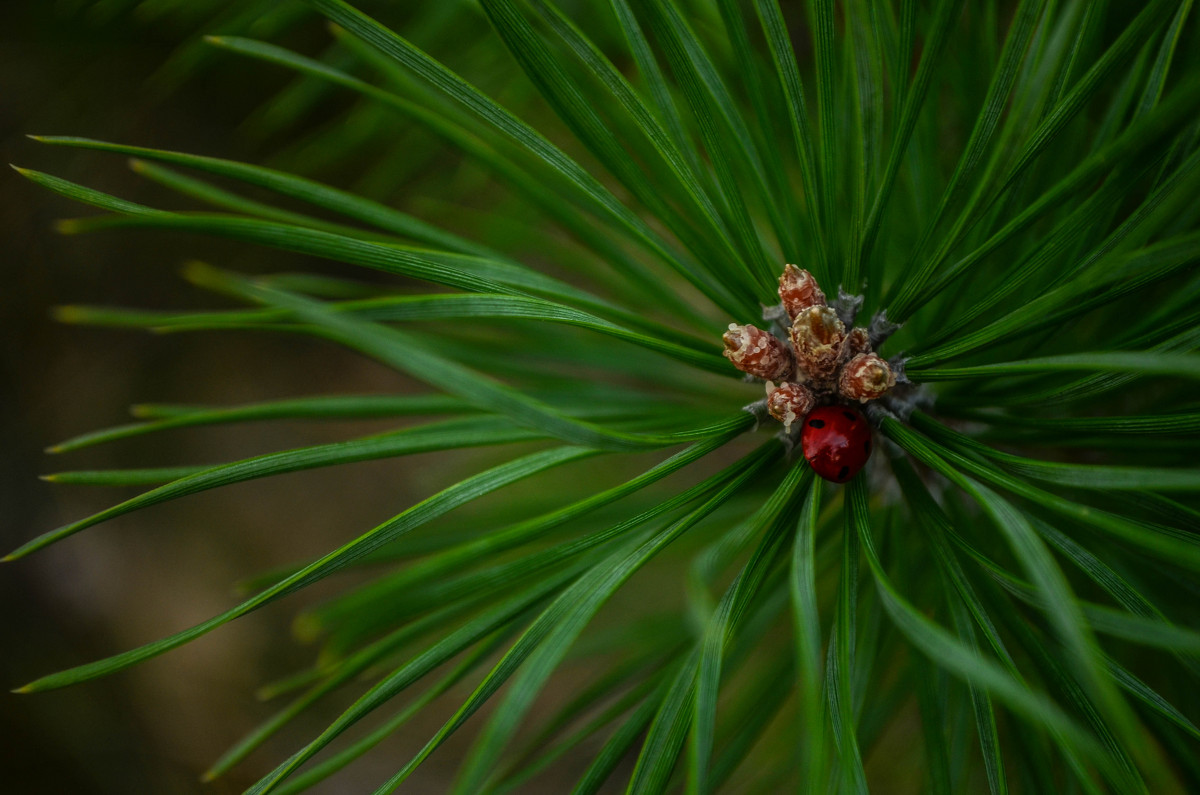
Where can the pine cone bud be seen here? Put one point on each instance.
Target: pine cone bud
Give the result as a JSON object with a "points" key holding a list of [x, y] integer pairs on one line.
{"points": [[817, 337], [757, 352], [789, 403], [866, 377], [799, 290], [857, 341]]}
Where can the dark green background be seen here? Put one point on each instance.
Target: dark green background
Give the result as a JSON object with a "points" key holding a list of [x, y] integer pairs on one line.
{"points": [[67, 69]]}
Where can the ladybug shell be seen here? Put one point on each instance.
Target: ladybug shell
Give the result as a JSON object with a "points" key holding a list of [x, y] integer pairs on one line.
{"points": [[836, 441]]}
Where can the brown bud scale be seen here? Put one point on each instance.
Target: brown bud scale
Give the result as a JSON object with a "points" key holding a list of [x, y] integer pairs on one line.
{"points": [[799, 290], [857, 341], [817, 339], [866, 377], [757, 352], [789, 403]]}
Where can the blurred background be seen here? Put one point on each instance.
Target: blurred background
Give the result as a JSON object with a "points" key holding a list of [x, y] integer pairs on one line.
{"points": [[136, 72]]}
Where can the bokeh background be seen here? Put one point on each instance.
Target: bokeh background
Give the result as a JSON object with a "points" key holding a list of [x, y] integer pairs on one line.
{"points": [[135, 72]]}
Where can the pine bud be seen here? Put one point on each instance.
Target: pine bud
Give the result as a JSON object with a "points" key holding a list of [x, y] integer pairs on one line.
{"points": [[817, 338], [757, 352], [866, 377], [799, 290], [857, 341], [789, 403]]}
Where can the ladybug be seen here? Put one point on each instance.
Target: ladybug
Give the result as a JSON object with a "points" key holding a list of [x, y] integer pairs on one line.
{"points": [[836, 441]]}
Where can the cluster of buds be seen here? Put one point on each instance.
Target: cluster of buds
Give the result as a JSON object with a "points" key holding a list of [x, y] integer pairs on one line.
{"points": [[820, 362]]}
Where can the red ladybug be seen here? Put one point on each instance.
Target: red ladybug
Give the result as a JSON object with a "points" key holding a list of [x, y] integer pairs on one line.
{"points": [[836, 441]]}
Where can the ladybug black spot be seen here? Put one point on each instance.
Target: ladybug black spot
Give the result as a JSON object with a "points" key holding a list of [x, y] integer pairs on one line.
{"points": [[867, 445], [843, 473], [849, 416], [816, 423]]}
